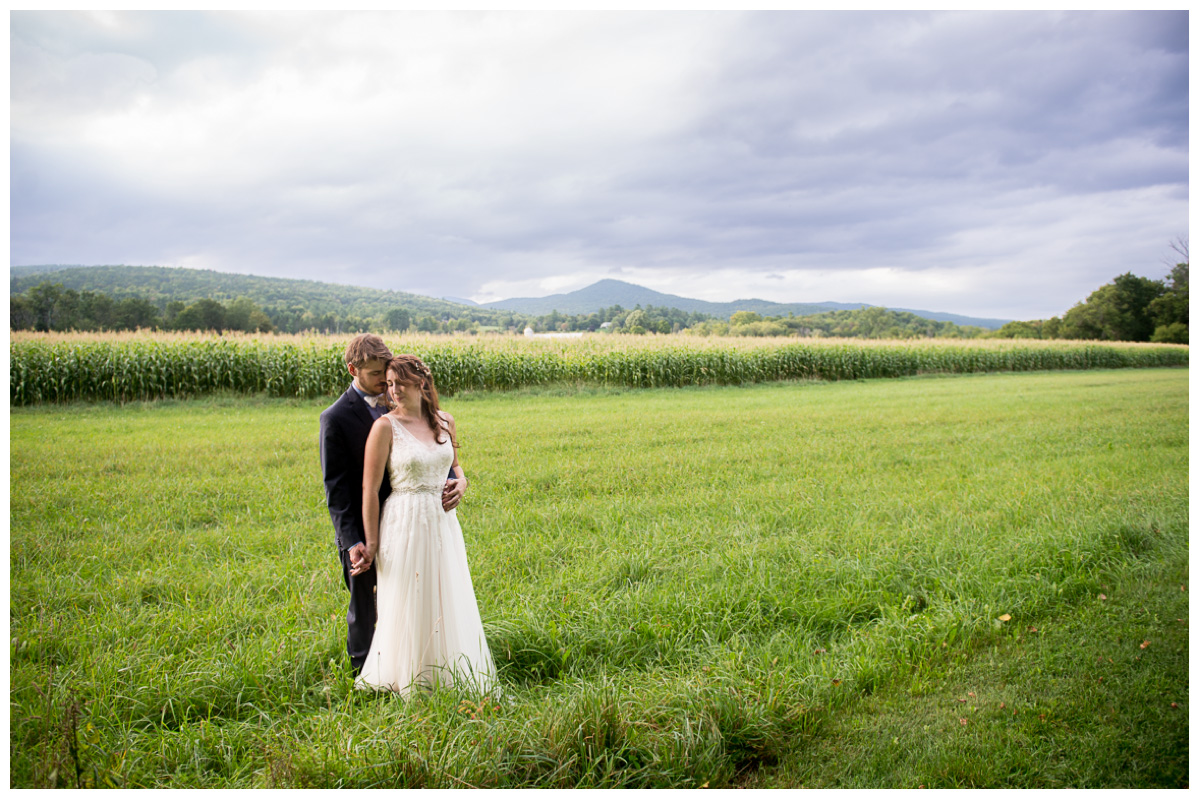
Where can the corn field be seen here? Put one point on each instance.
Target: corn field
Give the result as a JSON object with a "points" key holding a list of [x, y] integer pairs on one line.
{"points": [[62, 368]]}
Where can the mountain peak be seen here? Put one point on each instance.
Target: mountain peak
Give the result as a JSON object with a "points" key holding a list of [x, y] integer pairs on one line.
{"points": [[609, 292]]}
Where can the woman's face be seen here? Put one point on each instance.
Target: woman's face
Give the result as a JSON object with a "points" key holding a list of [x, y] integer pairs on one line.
{"points": [[398, 391]]}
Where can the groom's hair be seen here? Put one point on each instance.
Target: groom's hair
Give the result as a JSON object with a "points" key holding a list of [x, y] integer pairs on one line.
{"points": [[367, 347]]}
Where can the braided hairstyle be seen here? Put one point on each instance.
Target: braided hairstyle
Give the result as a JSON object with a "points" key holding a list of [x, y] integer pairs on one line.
{"points": [[410, 370]]}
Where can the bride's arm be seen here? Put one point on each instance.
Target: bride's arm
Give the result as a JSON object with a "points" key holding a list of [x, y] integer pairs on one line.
{"points": [[379, 447]]}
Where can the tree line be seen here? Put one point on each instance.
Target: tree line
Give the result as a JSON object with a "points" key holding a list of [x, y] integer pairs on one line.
{"points": [[861, 323], [50, 306], [53, 307], [1129, 309], [292, 304]]}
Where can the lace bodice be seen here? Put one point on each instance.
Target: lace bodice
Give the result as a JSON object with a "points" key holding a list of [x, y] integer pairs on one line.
{"points": [[414, 467]]}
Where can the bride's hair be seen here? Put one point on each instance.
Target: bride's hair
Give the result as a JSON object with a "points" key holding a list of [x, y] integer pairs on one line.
{"points": [[412, 371]]}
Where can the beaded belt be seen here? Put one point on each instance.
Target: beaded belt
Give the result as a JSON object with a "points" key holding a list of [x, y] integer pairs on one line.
{"points": [[418, 489]]}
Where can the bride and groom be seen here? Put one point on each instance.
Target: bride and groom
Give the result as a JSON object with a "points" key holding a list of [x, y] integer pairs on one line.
{"points": [[386, 452]]}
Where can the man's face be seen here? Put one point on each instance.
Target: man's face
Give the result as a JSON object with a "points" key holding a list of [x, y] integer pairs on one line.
{"points": [[371, 377]]}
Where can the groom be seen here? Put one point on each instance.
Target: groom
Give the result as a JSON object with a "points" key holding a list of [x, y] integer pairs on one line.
{"points": [[344, 429], [345, 426]]}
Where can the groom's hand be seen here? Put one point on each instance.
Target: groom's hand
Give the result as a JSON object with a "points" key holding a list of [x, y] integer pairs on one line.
{"points": [[358, 559], [452, 493]]}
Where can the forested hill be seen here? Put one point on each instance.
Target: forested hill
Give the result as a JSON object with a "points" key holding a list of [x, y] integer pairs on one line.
{"points": [[161, 285], [177, 297], [628, 295]]}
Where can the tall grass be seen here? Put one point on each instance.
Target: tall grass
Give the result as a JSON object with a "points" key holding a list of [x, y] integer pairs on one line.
{"points": [[58, 369], [845, 584]]}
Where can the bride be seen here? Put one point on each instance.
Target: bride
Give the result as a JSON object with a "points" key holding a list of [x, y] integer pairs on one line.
{"points": [[428, 631]]}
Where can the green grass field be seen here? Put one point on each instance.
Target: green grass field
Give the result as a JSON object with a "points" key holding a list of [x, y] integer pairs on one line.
{"points": [[938, 581]]}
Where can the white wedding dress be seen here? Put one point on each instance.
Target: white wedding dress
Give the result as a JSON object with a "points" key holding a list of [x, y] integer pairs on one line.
{"points": [[428, 632]]}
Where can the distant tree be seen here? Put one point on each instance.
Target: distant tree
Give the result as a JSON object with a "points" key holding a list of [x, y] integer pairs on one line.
{"points": [[243, 314], [172, 312], [950, 330], [137, 312], [1117, 311], [761, 328], [875, 322], [1086, 320], [260, 322], [202, 315], [1175, 333], [237, 314], [1020, 330], [46, 302], [744, 317], [397, 319], [96, 311], [1170, 311], [21, 316], [636, 321]]}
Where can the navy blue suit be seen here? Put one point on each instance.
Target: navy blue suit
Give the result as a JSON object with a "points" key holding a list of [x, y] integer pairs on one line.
{"points": [[345, 426]]}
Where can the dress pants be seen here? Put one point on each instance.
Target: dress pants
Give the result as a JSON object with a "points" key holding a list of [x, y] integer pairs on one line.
{"points": [[360, 617]]}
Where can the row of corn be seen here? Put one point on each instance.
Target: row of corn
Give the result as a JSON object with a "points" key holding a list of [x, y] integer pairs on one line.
{"points": [[63, 370]]}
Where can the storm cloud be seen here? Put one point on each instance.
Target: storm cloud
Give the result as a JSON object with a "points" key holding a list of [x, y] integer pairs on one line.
{"points": [[994, 164]]}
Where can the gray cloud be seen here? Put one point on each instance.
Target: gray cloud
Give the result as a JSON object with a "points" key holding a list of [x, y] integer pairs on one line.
{"points": [[998, 164]]}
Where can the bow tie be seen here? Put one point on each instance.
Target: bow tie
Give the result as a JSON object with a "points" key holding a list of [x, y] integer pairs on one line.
{"points": [[373, 400]]}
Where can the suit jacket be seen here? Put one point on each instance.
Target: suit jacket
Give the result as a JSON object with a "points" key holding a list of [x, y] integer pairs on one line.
{"points": [[345, 426]]}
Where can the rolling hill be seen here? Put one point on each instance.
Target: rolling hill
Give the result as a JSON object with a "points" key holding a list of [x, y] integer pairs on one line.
{"points": [[607, 293], [160, 285]]}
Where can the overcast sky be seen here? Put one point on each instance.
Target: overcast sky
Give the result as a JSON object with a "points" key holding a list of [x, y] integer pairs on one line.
{"points": [[992, 164]]}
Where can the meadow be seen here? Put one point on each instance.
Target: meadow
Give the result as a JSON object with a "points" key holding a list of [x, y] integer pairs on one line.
{"points": [[930, 582]]}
